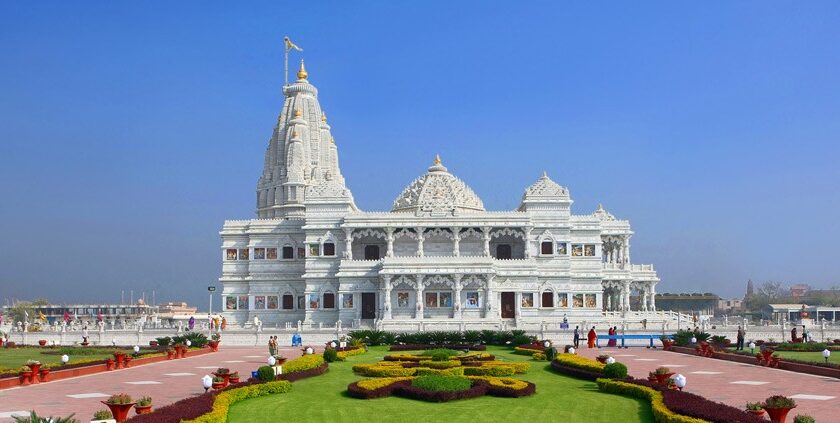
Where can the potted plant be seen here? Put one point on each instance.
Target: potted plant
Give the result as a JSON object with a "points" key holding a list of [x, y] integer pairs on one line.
{"points": [[120, 405], [42, 342], [214, 342], [662, 375], [25, 375], [119, 357], [153, 343], [755, 408], [109, 364], [218, 383], [102, 416], [223, 373], [667, 343], [602, 358], [777, 407], [144, 405], [651, 377], [280, 360], [234, 377], [803, 418], [35, 367], [170, 353], [44, 374]]}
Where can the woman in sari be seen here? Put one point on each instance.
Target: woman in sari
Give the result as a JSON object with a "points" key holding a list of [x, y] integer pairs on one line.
{"points": [[591, 337], [611, 342]]}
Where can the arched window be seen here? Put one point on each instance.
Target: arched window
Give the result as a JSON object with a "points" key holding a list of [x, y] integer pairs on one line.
{"points": [[288, 301], [329, 249], [547, 248], [548, 299], [504, 252], [288, 252], [329, 300], [371, 252]]}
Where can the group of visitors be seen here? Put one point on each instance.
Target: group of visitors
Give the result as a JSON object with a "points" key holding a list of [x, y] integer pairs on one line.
{"points": [[591, 337], [272, 345], [793, 337]]}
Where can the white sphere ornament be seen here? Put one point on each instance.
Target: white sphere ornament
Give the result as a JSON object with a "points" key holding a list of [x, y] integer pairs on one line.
{"points": [[610, 360], [65, 358], [309, 350], [332, 344], [188, 343], [571, 350], [272, 361], [826, 353], [114, 341], [206, 382], [547, 344], [680, 381], [136, 349], [693, 340], [752, 345]]}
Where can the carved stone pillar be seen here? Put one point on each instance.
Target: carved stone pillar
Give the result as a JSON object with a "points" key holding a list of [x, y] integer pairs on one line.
{"points": [[488, 299], [643, 298], [348, 243], [389, 237], [419, 308], [456, 301], [456, 241], [652, 296], [486, 231], [420, 239], [609, 300], [386, 301], [527, 231]]}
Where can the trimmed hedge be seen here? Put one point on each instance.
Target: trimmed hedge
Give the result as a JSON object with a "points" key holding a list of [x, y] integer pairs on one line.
{"points": [[501, 387], [661, 413], [442, 383], [223, 401], [342, 355], [304, 362]]}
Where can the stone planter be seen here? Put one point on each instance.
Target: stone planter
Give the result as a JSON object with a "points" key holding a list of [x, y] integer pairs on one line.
{"points": [[778, 415], [170, 355], [45, 375], [34, 373], [218, 385], [142, 409], [119, 411], [127, 361], [26, 377], [662, 379], [214, 346], [119, 358], [234, 379], [225, 376], [109, 364], [758, 413]]}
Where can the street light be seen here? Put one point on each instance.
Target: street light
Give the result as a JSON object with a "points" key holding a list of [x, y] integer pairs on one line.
{"points": [[272, 361], [571, 350], [680, 381], [207, 382], [610, 360], [752, 347], [65, 358], [114, 342], [188, 343], [136, 350], [210, 289], [547, 344], [826, 354], [333, 344], [693, 340]]}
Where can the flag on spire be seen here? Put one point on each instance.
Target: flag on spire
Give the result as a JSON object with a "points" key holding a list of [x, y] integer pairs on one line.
{"points": [[290, 45]]}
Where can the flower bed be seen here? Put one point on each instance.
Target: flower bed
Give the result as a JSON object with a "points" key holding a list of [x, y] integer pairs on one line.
{"points": [[661, 413], [472, 356], [418, 347], [402, 386], [408, 368], [578, 366], [350, 352]]}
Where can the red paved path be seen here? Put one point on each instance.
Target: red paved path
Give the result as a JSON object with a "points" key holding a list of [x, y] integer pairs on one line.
{"points": [[718, 387], [52, 398]]}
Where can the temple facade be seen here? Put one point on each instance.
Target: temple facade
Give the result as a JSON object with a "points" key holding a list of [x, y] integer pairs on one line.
{"points": [[436, 258]]}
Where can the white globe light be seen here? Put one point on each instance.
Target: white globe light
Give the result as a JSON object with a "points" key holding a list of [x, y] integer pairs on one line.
{"points": [[610, 360], [332, 344], [826, 353], [547, 344], [136, 349], [752, 345], [114, 341], [188, 343], [272, 361], [680, 381], [207, 381], [571, 350], [693, 340], [309, 350], [65, 358]]}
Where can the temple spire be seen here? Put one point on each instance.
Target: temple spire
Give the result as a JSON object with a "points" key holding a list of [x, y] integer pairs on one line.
{"points": [[301, 74]]}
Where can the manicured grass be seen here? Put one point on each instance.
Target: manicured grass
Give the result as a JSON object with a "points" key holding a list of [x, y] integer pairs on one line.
{"points": [[558, 398], [815, 356], [12, 358]]}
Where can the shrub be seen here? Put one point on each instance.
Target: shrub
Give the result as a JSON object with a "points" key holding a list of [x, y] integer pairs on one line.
{"points": [[330, 355], [265, 373], [538, 356], [683, 337], [456, 371], [550, 353], [719, 340], [163, 341], [489, 371], [662, 371], [573, 360], [803, 418], [660, 412], [472, 336], [439, 364], [442, 383], [779, 401], [381, 382], [521, 339], [197, 340], [440, 354], [615, 371], [223, 401], [144, 401], [383, 370], [35, 418], [103, 415], [342, 355], [119, 399], [304, 362], [754, 406]]}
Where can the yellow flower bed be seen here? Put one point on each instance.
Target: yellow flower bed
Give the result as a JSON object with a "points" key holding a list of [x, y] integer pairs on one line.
{"points": [[580, 362], [383, 370], [517, 366], [372, 384], [439, 364], [661, 413], [407, 357], [223, 401], [305, 362], [342, 355], [502, 382]]}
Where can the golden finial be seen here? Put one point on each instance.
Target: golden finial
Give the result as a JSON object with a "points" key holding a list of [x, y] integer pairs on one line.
{"points": [[298, 113], [323, 117], [437, 159], [302, 71], [545, 174]]}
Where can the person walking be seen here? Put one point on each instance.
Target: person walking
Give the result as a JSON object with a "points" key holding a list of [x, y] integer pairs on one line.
{"points": [[272, 346], [793, 334], [577, 337], [739, 346], [804, 334], [591, 337]]}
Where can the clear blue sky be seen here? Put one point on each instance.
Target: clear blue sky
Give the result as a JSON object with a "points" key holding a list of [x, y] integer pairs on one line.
{"points": [[129, 131]]}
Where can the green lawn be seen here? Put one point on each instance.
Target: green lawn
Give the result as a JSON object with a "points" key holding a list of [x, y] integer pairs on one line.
{"points": [[558, 398], [13, 358], [810, 356]]}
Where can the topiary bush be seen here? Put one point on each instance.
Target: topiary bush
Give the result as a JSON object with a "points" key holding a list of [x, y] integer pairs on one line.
{"points": [[615, 371], [442, 383], [265, 373], [330, 355], [521, 340], [550, 353], [803, 418]]}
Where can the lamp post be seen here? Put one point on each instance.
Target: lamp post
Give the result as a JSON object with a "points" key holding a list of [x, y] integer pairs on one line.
{"points": [[272, 361], [571, 350], [826, 353], [136, 350], [547, 344], [680, 381], [207, 382], [693, 340], [210, 289], [65, 358], [610, 360], [752, 347]]}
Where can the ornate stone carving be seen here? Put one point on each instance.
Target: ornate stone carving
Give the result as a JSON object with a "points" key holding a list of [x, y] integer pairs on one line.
{"points": [[545, 188], [437, 193], [368, 232]]}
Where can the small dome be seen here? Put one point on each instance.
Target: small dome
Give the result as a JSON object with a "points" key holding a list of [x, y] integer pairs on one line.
{"points": [[437, 192], [602, 214], [546, 190]]}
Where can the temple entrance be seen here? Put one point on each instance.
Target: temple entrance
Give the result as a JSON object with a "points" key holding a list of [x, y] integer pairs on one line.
{"points": [[508, 305], [368, 305]]}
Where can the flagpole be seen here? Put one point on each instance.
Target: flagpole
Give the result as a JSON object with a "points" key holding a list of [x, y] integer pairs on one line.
{"points": [[286, 64]]}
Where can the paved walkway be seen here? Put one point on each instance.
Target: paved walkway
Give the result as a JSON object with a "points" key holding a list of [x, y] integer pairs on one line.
{"points": [[733, 383], [165, 381]]}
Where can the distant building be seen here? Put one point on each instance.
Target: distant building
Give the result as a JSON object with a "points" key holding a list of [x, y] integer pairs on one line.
{"points": [[696, 303], [175, 310], [731, 305], [793, 312], [799, 290]]}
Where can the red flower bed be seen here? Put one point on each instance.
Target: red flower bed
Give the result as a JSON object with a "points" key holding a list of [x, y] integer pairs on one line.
{"points": [[575, 372], [692, 405], [536, 346], [421, 347], [185, 409]]}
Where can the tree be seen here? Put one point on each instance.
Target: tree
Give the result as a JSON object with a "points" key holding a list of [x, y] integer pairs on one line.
{"points": [[771, 290], [18, 311]]}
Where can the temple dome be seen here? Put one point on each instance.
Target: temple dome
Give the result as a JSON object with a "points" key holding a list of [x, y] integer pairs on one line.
{"points": [[602, 214], [437, 193]]}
